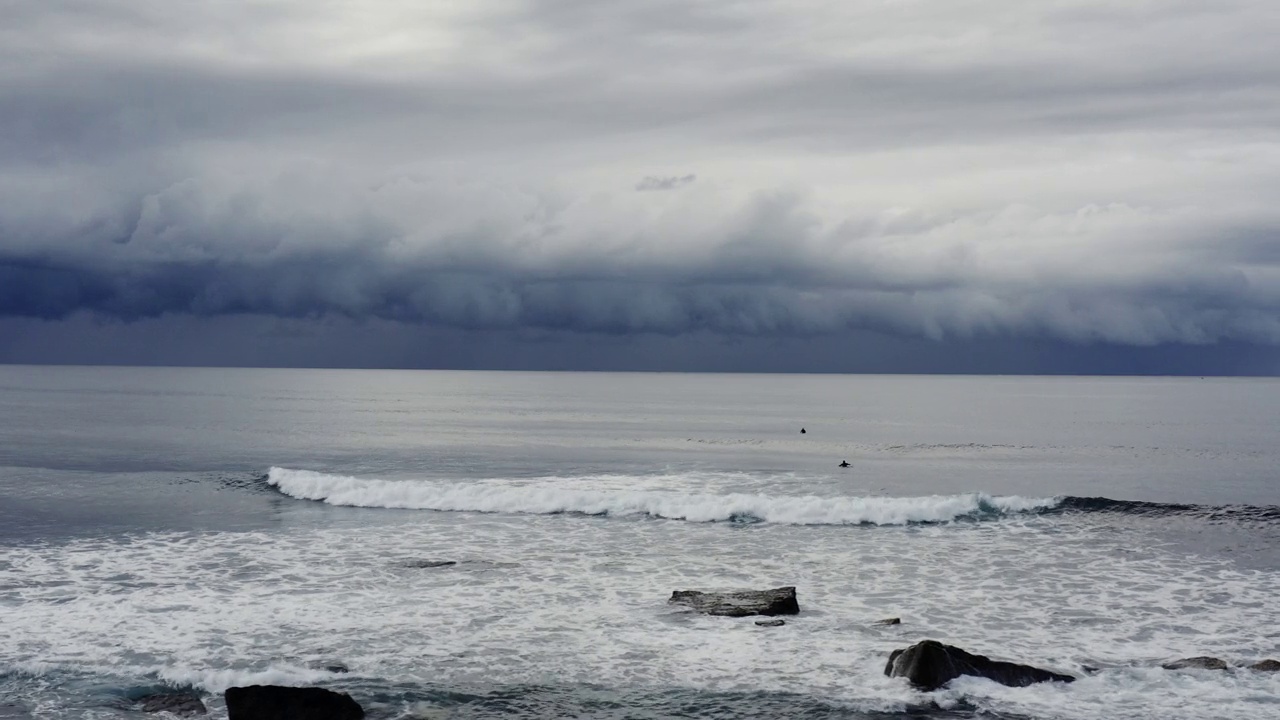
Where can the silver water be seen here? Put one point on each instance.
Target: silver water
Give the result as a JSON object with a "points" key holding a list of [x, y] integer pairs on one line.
{"points": [[198, 529]]}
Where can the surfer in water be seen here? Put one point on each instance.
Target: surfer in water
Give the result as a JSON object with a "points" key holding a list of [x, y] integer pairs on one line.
{"points": [[844, 463]]}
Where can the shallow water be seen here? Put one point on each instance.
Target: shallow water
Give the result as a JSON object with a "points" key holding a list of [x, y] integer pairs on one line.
{"points": [[208, 528]]}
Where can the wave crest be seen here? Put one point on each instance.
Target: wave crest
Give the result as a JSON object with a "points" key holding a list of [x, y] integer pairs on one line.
{"points": [[691, 507]]}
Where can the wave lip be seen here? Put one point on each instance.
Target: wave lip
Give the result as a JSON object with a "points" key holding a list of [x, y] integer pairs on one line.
{"points": [[691, 507]]}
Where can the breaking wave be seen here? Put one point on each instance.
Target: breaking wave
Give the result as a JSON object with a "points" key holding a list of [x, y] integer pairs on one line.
{"points": [[692, 507], [550, 498]]}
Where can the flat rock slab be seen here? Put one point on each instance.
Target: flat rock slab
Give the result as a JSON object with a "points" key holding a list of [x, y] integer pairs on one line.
{"points": [[274, 702], [424, 564], [929, 665], [741, 603], [888, 621], [778, 622], [1203, 662], [1266, 666]]}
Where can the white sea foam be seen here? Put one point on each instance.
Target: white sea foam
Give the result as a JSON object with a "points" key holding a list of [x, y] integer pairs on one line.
{"points": [[552, 497], [584, 603]]}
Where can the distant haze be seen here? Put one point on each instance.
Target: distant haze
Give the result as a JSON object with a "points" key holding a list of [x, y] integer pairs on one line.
{"points": [[894, 186]]}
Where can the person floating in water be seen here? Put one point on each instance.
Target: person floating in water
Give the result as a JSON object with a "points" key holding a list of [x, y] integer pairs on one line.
{"points": [[801, 431], [844, 463]]}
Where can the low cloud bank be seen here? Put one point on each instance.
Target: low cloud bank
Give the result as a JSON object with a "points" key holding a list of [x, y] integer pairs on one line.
{"points": [[499, 257]]}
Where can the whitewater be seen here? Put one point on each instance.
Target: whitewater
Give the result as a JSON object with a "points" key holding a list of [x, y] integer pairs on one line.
{"points": [[550, 496], [475, 545]]}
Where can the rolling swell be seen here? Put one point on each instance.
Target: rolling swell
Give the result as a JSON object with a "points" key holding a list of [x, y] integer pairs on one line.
{"points": [[1248, 513]]}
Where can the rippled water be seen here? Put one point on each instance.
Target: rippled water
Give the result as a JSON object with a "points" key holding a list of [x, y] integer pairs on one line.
{"points": [[202, 529]]}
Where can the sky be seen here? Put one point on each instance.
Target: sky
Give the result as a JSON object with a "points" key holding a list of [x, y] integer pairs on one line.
{"points": [[1061, 186]]}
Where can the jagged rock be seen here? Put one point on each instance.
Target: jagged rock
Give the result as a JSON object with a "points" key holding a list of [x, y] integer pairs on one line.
{"points": [[1202, 662], [778, 601], [429, 563], [176, 703], [1266, 666], [929, 665], [888, 621], [273, 702], [771, 623]]}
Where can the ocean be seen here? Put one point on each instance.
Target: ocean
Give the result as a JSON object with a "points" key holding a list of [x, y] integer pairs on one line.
{"points": [[193, 529]]}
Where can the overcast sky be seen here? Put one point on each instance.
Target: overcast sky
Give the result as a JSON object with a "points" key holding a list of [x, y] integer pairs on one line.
{"points": [[850, 185]]}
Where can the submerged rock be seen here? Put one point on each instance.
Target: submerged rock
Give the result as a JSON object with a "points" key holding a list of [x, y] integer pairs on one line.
{"points": [[929, 665], [1266, 666], [332, 666], [429, 563], [778, 601], [176, 703], [771, 623], [888, 621], [273, 702], [1203, 662]]}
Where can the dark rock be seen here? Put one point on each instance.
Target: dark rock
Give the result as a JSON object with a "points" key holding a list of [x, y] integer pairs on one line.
{"points": [[1202, 662], [929, 665], [888, 621], [337, 668], [176, 703], [778, 601], [273, 702], [771, 623], [1266, 666], [429, 563]]}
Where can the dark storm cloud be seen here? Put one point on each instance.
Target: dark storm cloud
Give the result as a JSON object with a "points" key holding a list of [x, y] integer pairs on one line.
{"points": [[1072, 172], [768, 267], [261, 341]]}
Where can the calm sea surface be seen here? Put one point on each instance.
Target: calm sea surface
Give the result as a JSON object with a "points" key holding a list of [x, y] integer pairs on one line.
{"points": [[197, 529]]}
